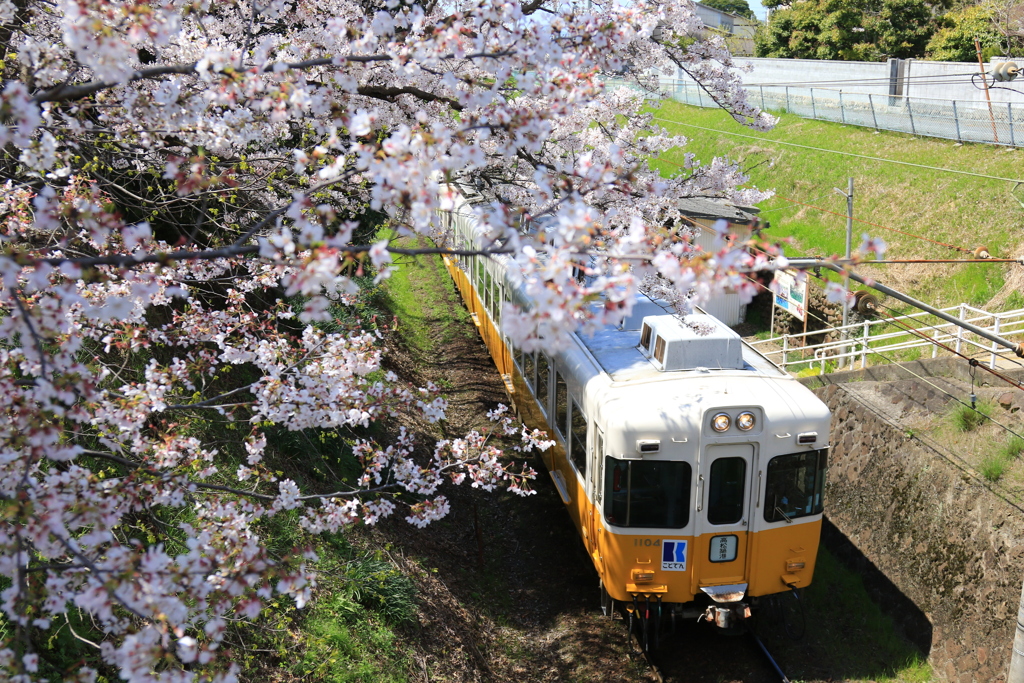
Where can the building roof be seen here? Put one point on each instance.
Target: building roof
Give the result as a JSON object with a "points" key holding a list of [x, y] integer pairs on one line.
{"points": [[710, 209]]}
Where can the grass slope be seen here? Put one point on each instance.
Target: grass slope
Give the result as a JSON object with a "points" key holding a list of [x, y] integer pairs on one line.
{"points": [[956, 209]]}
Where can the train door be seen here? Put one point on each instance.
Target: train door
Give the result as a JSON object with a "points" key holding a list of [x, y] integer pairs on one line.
{"points": [[724, 514], [595, 492]]}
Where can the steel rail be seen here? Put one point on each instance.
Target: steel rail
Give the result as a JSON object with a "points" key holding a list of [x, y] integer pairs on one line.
{"points": [[768, 655]]}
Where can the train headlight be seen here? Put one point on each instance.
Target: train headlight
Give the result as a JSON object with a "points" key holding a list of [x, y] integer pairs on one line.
{"points": [[720, 422], [745, 421]]}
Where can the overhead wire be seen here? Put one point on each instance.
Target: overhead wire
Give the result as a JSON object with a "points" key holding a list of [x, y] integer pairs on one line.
{"points": [[879, 79], [892, 320], [946, 347], [947, 393], [878, 225], [955, 460], [834, 151]]}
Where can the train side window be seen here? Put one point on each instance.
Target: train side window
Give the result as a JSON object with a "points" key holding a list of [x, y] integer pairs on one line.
{"points": [[561, 406], [794, 485], [647, 493], [528, 363], [726, 490], [595, 475], [485, 289], [578, 448], [542, 382]]}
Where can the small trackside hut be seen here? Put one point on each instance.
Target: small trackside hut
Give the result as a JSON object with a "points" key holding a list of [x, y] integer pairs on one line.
{"points": [[692, 467]]}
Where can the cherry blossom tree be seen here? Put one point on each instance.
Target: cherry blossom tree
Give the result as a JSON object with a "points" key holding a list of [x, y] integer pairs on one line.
{"points": [[188, 196]]}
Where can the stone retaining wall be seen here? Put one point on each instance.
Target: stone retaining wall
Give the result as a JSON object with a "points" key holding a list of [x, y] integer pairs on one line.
{"points": [[935, 529]]}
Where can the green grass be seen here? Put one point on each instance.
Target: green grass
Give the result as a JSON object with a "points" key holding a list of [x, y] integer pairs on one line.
{"points": [[994, 465], [961, 210], [340, 647], [967, 419], [421, 295], [852, 636]]}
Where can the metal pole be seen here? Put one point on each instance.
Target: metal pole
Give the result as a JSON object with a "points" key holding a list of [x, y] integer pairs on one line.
{"points": [[787, 99], [1009, 122], [849, 238], [873, 117], [1017, 349], [981, 65], [864, 350], [1016, 673], [763, 108], [842, 109], [814, 108], [995, 328], [910, 113], [956, 120], [960, 331]]}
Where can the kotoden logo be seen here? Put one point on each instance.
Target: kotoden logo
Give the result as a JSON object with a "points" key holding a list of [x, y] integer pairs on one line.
{"points": [[673, 556]]}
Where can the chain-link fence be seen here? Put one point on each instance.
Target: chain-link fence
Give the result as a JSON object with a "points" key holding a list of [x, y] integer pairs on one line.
{"points": [[1002, 123]]}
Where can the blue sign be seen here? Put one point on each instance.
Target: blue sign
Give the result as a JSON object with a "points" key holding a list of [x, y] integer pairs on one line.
{"points": [[673, 556]]}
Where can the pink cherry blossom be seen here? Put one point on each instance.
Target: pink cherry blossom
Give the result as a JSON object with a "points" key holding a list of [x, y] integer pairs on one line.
{"points": [[202, 189]]}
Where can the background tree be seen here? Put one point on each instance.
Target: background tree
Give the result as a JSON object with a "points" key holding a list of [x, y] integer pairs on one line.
{"points": [[863, 30], [738, 7], [954, 40], [1009, 22], [192, 193]]}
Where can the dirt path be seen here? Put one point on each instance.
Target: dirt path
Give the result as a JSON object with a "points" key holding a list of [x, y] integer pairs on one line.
{"points": [[506, 590]]}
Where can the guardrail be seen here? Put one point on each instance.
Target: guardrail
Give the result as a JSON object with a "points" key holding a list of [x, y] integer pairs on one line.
{"points": [[880, 338]]}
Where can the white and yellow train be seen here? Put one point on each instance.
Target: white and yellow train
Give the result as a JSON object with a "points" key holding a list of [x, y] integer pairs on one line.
{"points": [[692, 467]]}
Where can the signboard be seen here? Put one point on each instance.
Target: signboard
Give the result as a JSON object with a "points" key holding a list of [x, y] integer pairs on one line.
{"points": [[790, 289]]}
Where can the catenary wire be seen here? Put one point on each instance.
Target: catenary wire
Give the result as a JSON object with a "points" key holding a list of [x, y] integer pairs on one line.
{"points": [[952, 458], [879, 79], [878, 225], [958, 400], [936, 342], [834, 151]]}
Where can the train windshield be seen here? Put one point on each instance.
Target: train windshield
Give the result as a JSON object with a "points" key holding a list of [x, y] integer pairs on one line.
{"points": [[794, 485], [647, 493]]}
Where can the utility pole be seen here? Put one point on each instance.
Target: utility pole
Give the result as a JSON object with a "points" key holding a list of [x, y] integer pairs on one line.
{"points": [[849, 237], [984, 79]]}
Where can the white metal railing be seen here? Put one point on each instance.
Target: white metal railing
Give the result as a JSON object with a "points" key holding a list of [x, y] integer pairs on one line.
{"points": [[881, 337]]}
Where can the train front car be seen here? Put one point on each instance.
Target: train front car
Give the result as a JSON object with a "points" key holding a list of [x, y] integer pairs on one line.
{"points": [[712, 470]]}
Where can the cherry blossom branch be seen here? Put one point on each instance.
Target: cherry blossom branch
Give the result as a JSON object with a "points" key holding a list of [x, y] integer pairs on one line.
{"points": [[164, 258], [66, 93]]}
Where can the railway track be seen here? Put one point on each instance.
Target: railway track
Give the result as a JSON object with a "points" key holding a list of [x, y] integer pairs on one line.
{"points": [[698, 653]]}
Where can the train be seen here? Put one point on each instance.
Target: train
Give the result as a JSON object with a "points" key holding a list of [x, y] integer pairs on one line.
{"points": [[692, 467]]}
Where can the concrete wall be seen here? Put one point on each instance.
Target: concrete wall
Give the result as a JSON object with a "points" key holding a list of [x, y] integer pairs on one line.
{"points": [[945, 540], [945, 81]]}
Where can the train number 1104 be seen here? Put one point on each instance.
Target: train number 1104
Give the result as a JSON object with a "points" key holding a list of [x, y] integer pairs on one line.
{"points": [[648, 542]]}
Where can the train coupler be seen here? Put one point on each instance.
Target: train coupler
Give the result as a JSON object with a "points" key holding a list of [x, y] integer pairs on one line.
{"points": [[727, 616]]}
